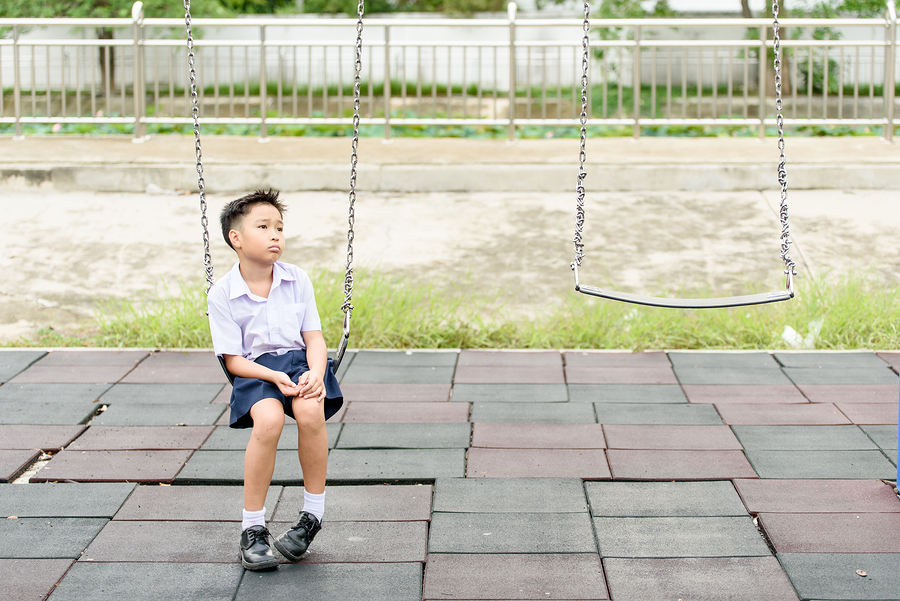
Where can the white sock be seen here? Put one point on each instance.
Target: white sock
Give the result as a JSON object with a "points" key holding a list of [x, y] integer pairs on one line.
{"points": [[253, 518], [314, 504]]}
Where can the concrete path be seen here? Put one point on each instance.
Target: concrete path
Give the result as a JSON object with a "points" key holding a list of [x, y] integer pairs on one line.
{"points": [[463, 475]]}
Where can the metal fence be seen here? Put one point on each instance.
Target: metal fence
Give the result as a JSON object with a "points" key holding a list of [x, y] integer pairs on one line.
{"points": [[507, 73]]}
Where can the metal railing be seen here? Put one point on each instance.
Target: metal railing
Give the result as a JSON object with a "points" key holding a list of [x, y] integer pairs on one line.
{"points": [[276, 73]]}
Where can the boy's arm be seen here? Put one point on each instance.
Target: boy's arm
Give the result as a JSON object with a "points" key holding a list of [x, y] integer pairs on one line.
{"points": [[245, 368], [311, 383]]}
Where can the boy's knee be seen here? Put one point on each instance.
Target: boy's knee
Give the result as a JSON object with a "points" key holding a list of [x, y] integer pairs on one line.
{"points": [[309, 414], [267, 423]]}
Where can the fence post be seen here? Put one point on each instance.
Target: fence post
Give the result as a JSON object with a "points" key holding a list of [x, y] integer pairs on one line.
{"points": [[387, 82], [137, 86], [763, 66], [17, 83], [511, 13], [636, 82], [890, 73], [263, 86]]}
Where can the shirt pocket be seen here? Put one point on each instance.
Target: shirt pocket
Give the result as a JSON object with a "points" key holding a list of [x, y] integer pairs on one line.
{"points": [[293, 318]]}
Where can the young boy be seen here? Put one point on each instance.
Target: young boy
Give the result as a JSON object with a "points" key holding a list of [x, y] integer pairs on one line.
{"points": [[264, 323]]}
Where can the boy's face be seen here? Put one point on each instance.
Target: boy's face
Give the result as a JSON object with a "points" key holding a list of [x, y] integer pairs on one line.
{"points": [[260, 235]]}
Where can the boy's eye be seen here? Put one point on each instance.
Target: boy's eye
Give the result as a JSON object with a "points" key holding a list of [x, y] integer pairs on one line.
{"points": [[262, 227], [280, 229]]}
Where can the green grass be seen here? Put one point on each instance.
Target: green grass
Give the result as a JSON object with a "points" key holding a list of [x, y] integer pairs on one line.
{"points": [[857, 312]]}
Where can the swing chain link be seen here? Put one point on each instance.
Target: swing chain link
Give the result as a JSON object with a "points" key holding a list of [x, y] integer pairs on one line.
{"points": [[789, 264], [582, 155], [347, 307]]}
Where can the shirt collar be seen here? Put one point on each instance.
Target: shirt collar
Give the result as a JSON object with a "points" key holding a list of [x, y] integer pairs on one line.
{"points": [[239, 286]]}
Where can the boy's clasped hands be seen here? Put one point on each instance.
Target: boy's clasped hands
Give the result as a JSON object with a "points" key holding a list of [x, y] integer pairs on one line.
{"points": [[308, 386]]}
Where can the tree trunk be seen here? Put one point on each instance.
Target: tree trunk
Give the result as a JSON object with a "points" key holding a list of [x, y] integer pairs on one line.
{"points": [[745, 9], [107, 76]]}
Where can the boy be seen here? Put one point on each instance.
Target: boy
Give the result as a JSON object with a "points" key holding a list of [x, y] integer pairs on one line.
{"points": [[264, 324]]}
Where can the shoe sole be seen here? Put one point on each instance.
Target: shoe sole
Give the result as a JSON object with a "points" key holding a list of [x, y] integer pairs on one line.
{"points": [[287, 554], [256, 567]]}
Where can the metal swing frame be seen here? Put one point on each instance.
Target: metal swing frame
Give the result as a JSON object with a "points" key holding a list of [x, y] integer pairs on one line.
{"points": [[347, 306], [687, 303]]}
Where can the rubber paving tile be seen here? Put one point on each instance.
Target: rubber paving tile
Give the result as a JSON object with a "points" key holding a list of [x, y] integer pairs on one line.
{"points": [[161, 393], [141, 581], [804, 438], [862, 465], [699, 579], [834, 575], [191, 503], [336, 582], [14, 462], [538, 436], [186, 368], [159, 414], [112, 466], [869, 414], [64, 500], [225, 420], [387, 465], [12, 362], [537, 463], [510, 576], [45, 438], [31, 579], [710, 438], [620, 375], [405, 359], [47, 538], [645, 414], [214, 467], [46, 413], [884, 436], [678, 465], [836, 377], [509, 495], [534, 413], [731, 376], [406, 436], [373, 503], [75, 374], [502, 374], [488, 358], [830, 360], [365, 542], [42, 393], [833, 532], [664, 499], [422, 393], [818, 496], [181, 359], [726, 393], [810, 414], [376, 374], [614, 359], [224, 395], [114, 438], [383, 413], [626, 393], [727, 360], [679, 537], [183, 541], [510, 393], [225, 438], [84, 358], [511, 533], [892, 359]]}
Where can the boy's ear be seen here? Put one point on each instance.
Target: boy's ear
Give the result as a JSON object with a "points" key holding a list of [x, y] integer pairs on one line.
{"points": [[235, 237]]}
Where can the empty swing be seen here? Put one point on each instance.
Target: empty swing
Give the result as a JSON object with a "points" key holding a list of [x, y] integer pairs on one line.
{"points": [[346, 307], [687, 303]]}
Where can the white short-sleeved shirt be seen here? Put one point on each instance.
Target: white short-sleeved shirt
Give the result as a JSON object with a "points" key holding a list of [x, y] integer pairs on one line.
{"points": [[245, 324]]}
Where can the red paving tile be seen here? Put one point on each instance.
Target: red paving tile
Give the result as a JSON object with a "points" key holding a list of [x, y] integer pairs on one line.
{"points": [[711, 438], [817, 496], [679, 465], [72, 374], [468, 358], [867, 414], [723, 394], [92, 357], [175, 374], [475, 374], [113, 466], [183, 358], [893, 359], [116, 438], [809, 414], [45, 438], [12, 462], [603, 359], [876, 393], [538, 436], [537, 463], [224, 396], [620, 375], [833, 532], [381, 413], [402, 393]]}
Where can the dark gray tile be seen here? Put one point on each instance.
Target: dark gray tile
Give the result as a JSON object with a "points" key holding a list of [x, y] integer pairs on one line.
{"points": [[396, 464], [534, 413], [68, 500], [45, 438], [31, 579], [374, 503], [830, 360], [191, 503], [679, 537], [404, 359], [511, 533], [213, 467], [884, 436], [336, 582], [225, 438], [834, 375], [14, 462], [12, 362], [161, 393], [510, 393], [664, 499], [113, 466], [47, 538], [730, 360], [731, 375], [626, 393], [375, 374], [406, 436], [46, 413], [352, 542], [509, 495], [55, 393], [138, 581], [159, 414], [346, 362], [654, 413], [847, 465], [133, 541], [491, 358], [834, 575], [803, 438]]}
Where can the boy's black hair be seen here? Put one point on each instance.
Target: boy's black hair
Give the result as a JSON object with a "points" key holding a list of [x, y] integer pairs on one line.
{"points": [[235, 210]]}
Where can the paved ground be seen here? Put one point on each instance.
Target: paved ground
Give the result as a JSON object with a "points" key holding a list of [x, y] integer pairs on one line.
{"points": [[464, 475]]}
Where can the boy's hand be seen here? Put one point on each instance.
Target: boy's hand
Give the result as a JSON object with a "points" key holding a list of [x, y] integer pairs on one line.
{"points": [[285, 385], [311, 386]]}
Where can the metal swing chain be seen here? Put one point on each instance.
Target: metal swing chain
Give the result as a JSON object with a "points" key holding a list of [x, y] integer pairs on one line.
{"points": [[789, 264], [579, 189], [347, 307]]}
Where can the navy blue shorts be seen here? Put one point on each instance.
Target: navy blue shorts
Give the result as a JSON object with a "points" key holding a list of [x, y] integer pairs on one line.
{"points": [[248, 391]]}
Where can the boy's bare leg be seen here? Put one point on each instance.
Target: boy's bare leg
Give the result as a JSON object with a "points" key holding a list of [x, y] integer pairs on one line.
{"points": [[312, 443], [259, 459]]}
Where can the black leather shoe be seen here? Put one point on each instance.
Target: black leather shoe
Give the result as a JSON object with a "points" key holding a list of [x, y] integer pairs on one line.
{"points": [[255, 551], [293, 543]]}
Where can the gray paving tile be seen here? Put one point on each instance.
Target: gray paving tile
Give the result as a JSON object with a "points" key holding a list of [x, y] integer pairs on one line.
{"points": [[47, 538], [405, 359], [14, 462], [373, 503], [510, 393], [626, 393], [132, 541], [46, 413], [865, 465], [664, 499], [113, 466], [511, 533], [374, 374], [139, 581], [537, 463], [346, 362], [159, 414], [830, 360], [538, 436], [405, 436], [817, 496], [422, 393], [803, 438], [514, 576], [491, 358], [504, 374], [653, 413], [616, 359], [699, 579], [365, 542], [336, 582], [191, 503], [884, 436], [833, 575], [396, 464], [679, 537], [12, 362], [31, 578], [509, 495], [225, 438], [731, 375], [534, 413], [213, 467], [161, 393], [56, 393], [838, 376], [115, 438], [68, 500], [45, 438], [92, 357], [730, 360]]}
